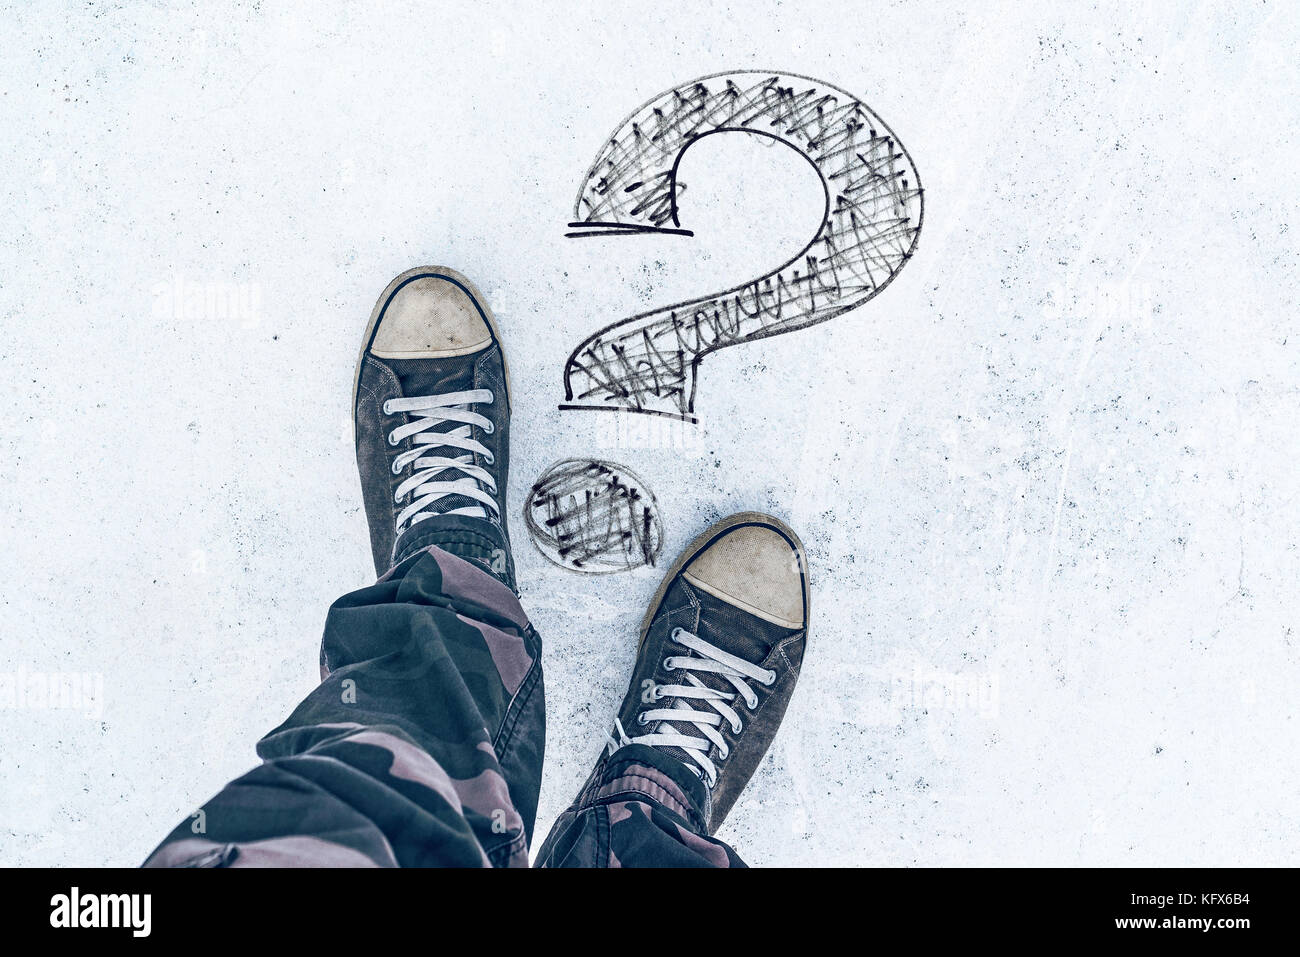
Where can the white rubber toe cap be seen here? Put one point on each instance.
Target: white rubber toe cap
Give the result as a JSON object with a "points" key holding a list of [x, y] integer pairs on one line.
{"points": [[754, 568], [430, 318]]}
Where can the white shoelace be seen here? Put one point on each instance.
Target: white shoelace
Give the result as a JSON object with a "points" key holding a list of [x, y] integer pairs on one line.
{"points": [[715, 661], [423, 486]]}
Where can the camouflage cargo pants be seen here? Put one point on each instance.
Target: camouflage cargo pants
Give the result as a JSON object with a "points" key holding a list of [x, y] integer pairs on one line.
{"points": [[423, 746]]}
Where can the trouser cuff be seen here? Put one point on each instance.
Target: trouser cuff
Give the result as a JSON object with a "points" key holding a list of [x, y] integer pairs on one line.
{"points": [[636, 771], [476, 540]]}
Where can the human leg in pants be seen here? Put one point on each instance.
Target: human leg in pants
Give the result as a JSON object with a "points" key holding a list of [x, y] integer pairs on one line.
{"points": [[421, 746]]}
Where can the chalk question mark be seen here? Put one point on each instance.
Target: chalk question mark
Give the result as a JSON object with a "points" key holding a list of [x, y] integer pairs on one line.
{"points": [[872, 219]]}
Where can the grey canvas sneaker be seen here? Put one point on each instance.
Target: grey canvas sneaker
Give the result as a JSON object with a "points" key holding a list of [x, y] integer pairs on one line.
{"points": [[720, 653], [431, 416]]}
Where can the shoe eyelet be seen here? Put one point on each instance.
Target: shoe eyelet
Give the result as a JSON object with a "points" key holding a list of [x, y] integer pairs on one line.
{"points": [[657, 693], [388, 407], [751, 705], [738, 727], [723, 753], [391, 439], [673, 635], [396, 470], [490, 459], [670, 664], [641, 719], [489, 428], [771, 679]]}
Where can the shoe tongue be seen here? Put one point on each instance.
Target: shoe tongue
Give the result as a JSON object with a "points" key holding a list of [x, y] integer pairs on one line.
{"points": [[728, 629], [417, 378]]}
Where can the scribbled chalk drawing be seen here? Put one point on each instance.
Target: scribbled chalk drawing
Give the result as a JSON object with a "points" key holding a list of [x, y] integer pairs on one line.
{"points": [[593, 516], [648, 363]]}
